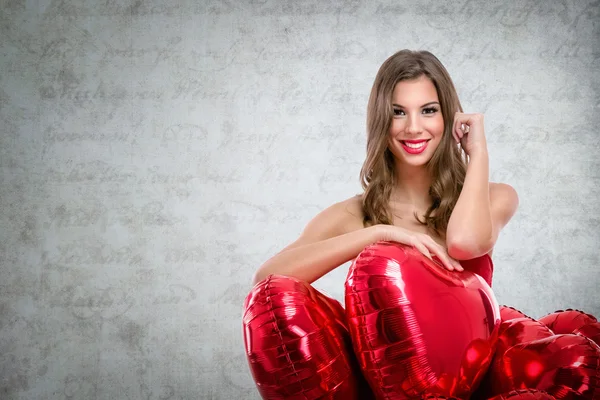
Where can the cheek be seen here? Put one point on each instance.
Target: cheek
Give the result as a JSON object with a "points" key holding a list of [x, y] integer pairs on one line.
{"points": [[438, 126], [396, 126]]}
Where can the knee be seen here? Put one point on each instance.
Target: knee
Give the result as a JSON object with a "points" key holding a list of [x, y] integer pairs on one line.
{"points": [[289, 301], [274, 292], [277, 284]]}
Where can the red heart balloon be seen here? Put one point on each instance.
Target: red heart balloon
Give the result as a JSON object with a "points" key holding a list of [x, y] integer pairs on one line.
{"points": [[520, 330], [566, 321], [416, 327], [297, 343], [566, 366], [510, 333], [524, 394], [590, 331], [507, 312]]}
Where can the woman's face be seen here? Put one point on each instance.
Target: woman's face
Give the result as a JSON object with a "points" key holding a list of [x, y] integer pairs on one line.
{"points": [[417, 125]]}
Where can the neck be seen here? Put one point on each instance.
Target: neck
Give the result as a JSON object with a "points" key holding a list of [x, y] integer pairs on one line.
{"points": [[412, 187]]}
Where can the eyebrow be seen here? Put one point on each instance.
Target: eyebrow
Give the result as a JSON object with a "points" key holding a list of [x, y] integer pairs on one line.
{"points": [[424, 105]]}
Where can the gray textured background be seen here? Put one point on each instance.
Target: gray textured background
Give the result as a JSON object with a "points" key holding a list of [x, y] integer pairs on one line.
{"points": [[154, 154]]}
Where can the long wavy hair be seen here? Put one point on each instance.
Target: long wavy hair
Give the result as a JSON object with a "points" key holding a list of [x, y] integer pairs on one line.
{"points": [[448, 164]]}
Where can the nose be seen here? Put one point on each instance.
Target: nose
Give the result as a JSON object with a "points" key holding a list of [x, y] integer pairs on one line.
{"points": [[413, 126]]}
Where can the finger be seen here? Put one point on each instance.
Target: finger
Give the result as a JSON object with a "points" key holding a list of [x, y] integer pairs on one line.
{"points": [[464, 129], [442, 255], [439, 249], [458, 119], [456, 264], [455, 135], [423, 249], [454, 130], [455, 124], [459, 133]]}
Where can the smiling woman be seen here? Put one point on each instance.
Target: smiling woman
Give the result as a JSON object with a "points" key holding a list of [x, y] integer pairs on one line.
{"points": [[426, 190]]}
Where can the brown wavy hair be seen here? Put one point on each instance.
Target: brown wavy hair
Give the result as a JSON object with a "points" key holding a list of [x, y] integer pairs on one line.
{"points": [[448, 164]]}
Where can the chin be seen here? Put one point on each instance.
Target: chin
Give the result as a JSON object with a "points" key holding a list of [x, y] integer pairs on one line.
{"points": [[413, 160], [422, 163]]}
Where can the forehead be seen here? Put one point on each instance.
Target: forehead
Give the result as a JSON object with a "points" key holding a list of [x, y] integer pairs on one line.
{"points": [[416, 91]]}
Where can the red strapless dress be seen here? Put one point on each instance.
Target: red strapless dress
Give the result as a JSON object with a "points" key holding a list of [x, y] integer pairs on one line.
{"points": [[482, 266]]}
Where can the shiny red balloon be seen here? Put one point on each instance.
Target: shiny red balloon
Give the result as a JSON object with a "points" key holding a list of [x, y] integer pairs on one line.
{"points": [[524, 394], [511, 332], [591, 331], [507, 312], [566, 321], [416, 327], [520, 330], [297, 343], [566, 366]]}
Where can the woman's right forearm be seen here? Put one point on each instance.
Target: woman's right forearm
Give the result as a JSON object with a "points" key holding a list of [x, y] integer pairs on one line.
{"points": [[311, 261]]}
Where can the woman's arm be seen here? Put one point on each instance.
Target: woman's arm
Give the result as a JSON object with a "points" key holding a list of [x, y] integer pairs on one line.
{"points": [[336, 236], [322, 246], [469, 232], [482, 210]]}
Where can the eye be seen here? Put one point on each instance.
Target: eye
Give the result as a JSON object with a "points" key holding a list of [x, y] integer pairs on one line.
{"points": [[427, 110]]}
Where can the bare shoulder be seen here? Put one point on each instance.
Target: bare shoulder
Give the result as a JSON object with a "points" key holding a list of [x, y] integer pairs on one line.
{"points": [[495, 186], [353, 208], [503, 197], [504, 201], [346, 215]]}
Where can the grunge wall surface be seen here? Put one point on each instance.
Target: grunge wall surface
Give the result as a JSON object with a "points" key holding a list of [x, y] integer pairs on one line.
{"points": [[154, 154]]}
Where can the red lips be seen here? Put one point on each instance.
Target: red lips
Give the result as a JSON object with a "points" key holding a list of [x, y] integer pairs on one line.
{"points": [[411, 150], [415, 141]]}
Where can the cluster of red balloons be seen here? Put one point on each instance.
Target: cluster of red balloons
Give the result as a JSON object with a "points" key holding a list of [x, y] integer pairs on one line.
{"points": [[413, 330]]}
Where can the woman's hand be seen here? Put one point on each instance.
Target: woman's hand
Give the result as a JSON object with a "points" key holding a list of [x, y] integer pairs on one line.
{"points": [[468, 130], [421, 241]]}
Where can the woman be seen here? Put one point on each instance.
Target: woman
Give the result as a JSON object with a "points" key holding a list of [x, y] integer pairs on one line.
{"points": [[420, 189]]}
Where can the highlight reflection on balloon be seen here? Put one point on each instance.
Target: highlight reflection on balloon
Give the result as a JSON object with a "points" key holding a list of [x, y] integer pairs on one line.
{"points": [[417, 327]]}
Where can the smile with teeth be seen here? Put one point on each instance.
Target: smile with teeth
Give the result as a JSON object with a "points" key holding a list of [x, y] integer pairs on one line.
{"points": [[415, 145], [414, 148]]}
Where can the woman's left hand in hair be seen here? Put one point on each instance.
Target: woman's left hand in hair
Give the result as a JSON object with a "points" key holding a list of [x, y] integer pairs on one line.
{"points": [[468, 131]]}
